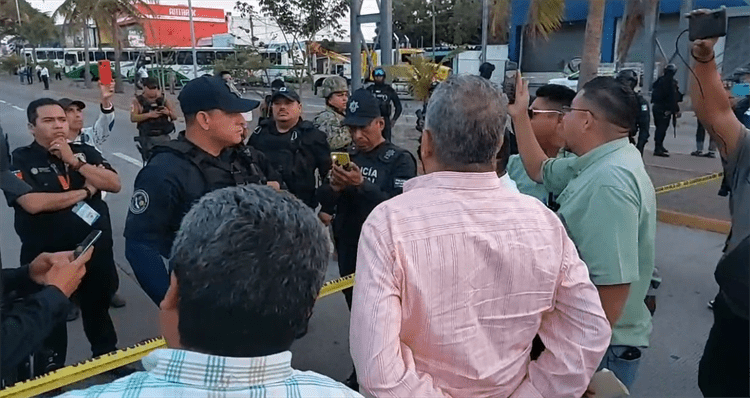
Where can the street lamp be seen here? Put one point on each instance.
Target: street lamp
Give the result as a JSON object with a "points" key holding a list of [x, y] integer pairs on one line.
{"points": [[192, 38]]}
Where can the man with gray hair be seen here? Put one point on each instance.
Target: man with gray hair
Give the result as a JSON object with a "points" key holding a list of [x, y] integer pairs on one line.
{"points": [[236, 301], [457, 275]]}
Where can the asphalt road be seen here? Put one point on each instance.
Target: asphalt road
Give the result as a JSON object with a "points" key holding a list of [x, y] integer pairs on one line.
{"points": [[685, 257]]}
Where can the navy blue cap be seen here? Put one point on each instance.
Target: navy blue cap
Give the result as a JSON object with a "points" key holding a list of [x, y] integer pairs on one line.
{"points": [[286, 92], [361, 109], [212, 92]]}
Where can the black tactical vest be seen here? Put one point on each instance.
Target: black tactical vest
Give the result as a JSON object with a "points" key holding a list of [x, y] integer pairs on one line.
{"points": [[153, 127]]}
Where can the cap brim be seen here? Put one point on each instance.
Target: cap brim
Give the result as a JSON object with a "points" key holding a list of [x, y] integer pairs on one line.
{"points": [[12, 185], [285, 95], [358, 121], [241, 105]]}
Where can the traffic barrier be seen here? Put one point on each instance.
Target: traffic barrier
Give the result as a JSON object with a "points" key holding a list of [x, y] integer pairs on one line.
{"points": [[95, 366]]}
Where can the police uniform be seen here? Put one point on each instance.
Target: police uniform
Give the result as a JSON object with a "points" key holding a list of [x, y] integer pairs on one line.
{"points": [[386, 95], [178, 174], [295, 154], [643, 123], [384, 168], [665, 99], [63, 230], [152, 131]]}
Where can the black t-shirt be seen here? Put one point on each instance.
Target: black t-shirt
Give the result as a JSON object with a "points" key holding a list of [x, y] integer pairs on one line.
{"points": [[60, 230]]}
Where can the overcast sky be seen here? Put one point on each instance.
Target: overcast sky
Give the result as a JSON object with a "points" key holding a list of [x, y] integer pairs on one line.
{"points": [[368, 7]]}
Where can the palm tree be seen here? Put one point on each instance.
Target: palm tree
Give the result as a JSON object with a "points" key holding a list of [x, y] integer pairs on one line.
{"points": [[77, 13], [106, 15], [38, 30], [544, 17], [592, 42]]}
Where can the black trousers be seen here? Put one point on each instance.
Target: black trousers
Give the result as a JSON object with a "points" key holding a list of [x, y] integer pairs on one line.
{"points": [[387, 129], [30, 78], [661, 121], [347, 254], [723, 369], [45, 79]]}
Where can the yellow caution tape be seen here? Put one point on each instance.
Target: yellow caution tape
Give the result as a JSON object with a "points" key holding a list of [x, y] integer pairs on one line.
{"points": [[336, 285], [689, 183], [95, 366], [82, 370]]}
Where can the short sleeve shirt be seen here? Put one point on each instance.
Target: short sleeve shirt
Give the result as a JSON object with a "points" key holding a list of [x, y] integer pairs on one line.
{"points": [[737, 170], [525, 184], [608, 206]]}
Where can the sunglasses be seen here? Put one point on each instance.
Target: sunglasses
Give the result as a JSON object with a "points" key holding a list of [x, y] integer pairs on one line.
{"points": [[533, 112], [567, 109]]}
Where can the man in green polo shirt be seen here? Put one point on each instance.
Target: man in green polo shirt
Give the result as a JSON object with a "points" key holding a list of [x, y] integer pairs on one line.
{"points": [[546, 120], [607, 203]]}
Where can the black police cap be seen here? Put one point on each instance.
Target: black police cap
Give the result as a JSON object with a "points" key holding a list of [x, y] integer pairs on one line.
{"points": [[286, 92], [361, 109], [212, 92]]}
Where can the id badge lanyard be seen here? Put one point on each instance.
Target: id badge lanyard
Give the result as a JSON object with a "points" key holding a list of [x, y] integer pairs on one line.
{"points": [[63, 179]]}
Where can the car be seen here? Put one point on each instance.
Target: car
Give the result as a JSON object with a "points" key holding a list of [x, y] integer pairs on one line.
{"points": [[570, 81]]}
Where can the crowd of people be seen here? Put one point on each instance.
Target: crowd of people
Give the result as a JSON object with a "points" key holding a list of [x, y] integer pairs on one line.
{"points": [[466, 285]]}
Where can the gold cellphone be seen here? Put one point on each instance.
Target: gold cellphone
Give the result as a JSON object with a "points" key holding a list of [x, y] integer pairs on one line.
{"points": [[340, 158]]}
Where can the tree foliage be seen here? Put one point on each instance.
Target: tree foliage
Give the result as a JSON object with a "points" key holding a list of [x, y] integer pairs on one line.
{"points": [[456, 21], [245, 67], [10, 63]]}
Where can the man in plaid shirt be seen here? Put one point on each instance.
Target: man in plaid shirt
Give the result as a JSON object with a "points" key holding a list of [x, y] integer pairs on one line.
{"points": [[236, 302]]}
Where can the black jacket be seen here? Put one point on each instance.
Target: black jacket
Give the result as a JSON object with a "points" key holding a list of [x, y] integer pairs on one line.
{"points": [[386, 95], [172, 181], [666, 95], [642, 124], [29, 315], [385, 169], [296, 155]]}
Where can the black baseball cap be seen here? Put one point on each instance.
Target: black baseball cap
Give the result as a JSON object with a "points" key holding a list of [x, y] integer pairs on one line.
{"points": [[67, 102], [286, 92], [212, 92], [361, 108]]}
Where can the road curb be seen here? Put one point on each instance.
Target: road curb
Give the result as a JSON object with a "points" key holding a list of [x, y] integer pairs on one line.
{"points": [[693, 221]]}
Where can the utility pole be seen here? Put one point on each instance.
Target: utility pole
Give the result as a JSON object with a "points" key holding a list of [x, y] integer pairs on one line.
{"points": [[18, 11], [356, 45], [386, 32], [682, 72], [485, 19], [433, 30], [192, 38], [652, 14]]}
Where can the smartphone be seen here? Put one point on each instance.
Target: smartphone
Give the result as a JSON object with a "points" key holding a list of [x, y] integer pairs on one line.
{"points": [[341, 158], [705, 26], [105, 72], [509, 84], [84, 246]]}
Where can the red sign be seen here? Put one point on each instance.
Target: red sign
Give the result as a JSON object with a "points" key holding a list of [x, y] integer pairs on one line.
{"points": [[170, 25]]}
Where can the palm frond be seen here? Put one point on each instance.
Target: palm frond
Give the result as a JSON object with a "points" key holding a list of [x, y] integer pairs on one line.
{"points": [[545, 17]]}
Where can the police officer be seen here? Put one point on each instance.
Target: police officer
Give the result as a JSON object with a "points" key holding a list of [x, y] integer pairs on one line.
{"points": [[265, 106], [65, 205], [629, 78], [666, 97], [336, 92], [376, 173], [204, 157], [386, 95], [153, 115], [295, 148]]}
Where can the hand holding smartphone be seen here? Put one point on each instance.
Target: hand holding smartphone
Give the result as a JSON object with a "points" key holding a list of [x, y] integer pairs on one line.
{"points": [[509, 84], [706, 24], [105, 72], [87, 243]]}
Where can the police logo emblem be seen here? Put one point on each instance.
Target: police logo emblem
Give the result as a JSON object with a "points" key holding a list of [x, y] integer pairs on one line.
{"points": [[389, 154], [233, 89], [139, 202], [257, 130], [34, 170], [353, 106], [282, 89]]}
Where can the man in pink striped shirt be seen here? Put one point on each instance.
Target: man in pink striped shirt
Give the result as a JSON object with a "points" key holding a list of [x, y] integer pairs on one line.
{"points": [[457, 275]]}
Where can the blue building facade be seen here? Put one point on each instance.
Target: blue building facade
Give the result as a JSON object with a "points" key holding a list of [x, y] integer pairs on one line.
{"points": [[576, 12]]}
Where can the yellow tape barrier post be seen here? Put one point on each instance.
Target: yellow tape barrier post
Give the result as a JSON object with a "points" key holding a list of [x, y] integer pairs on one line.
{"points": [[81, 371]]}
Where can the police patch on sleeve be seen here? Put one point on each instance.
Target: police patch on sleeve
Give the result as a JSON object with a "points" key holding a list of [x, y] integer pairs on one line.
{"points": [[139, 202]]}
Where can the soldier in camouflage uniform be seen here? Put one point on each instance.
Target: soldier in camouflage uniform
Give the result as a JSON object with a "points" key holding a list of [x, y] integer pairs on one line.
{"points": [[336, 92]]}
